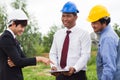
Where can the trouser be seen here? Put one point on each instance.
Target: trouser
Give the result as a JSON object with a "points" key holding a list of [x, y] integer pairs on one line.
{"points": [[81, 75]]}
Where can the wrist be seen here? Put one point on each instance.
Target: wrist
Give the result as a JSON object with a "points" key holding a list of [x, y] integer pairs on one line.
{"points": [[38, 59], [74, 69]]}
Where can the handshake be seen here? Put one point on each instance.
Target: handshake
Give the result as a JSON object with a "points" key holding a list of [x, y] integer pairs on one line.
{"points": [[38, 59]]}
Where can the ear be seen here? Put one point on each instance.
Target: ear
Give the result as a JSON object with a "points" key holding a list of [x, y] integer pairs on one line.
{"points": [[76, 17], [104, 24], [13, 24]]}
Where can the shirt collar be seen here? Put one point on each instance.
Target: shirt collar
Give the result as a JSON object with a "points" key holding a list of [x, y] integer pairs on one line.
{"points": [[105, 29], [72, 29], [11, 32]]}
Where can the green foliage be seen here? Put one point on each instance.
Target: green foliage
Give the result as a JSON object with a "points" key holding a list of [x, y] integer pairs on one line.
{"points": [[3, 19], [39, 72], [47, 39], [39, 49], [19, 4], [94, 47], [117, 29], [29, 42], [92, 60], [91, 72]]}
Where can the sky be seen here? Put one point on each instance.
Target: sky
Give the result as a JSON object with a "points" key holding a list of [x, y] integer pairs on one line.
{"points": [[47, 12]]}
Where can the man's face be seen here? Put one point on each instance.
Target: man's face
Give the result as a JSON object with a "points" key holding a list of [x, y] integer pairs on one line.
{"points": [[97, 26], [19, 29], [69, 20]]}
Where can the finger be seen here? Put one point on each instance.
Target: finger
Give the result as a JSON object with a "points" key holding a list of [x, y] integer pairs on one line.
{"points": [[11, 65], [48, 62], [8, 60], [51, 62]]}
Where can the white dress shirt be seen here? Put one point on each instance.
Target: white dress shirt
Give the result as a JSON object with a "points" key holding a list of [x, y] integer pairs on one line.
{"points": [[78, 52]]}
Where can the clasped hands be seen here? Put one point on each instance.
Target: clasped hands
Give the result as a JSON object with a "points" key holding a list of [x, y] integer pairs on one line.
{"points": [[69, 73]]}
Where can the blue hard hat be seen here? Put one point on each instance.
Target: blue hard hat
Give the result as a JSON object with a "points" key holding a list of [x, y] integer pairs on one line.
{"points": [[70, 7]]}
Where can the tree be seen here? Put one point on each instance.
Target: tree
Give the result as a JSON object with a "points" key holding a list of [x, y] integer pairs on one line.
{"points": [[117, 29], [47, 39], [30, 36], [3, 19]]}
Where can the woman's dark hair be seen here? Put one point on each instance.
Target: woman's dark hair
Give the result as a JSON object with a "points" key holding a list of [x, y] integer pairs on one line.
{"points": [[105, 20], [22, 22]]}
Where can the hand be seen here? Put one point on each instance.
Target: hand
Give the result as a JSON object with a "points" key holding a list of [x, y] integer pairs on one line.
{"points": [[71, 71], [10, 63], [56, 73], [43, 60]]}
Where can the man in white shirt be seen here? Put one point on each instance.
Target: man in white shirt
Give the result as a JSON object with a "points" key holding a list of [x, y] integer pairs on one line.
{"points": [[79, 48]]}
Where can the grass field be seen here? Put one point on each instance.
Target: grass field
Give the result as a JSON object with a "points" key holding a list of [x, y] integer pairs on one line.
{"points": [[41, 72]]}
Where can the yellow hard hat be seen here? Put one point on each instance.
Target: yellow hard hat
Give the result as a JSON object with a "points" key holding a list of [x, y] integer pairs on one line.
{"points": [[97, 12]]}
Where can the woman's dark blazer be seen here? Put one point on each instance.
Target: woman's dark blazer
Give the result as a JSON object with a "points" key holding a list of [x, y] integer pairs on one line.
{"points": [[9, 47]]}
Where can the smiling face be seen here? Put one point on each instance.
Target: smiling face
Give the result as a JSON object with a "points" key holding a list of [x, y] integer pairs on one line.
{"points": [[18, 30], [97, 26], [18, 27], [69, 20]]}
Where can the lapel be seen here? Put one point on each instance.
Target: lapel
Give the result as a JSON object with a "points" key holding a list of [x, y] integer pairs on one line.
{"points": [[15, 42], [7, 33]]}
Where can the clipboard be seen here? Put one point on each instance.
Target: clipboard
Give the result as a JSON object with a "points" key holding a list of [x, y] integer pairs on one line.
{"points": [[58, 71]]}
